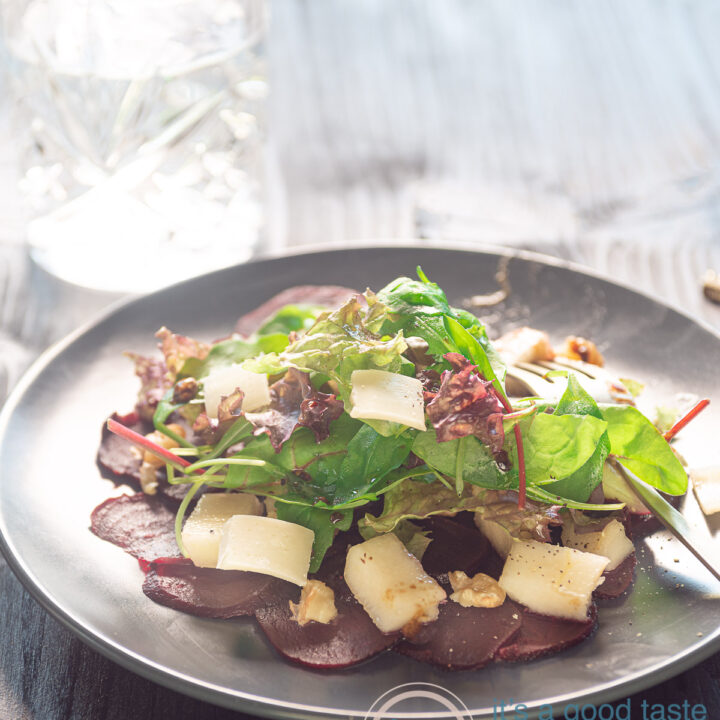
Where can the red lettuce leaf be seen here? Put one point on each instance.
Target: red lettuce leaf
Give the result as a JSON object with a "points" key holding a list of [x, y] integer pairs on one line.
{"points": [[294, 401], [317, 411], [154, 382], [466, 404], [178, 348]]}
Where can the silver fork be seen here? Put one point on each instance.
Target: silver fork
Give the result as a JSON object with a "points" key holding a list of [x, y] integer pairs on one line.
{"points": [[532, 379]]}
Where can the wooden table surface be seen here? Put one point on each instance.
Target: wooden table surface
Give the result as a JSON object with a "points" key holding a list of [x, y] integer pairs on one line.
{"points": [[586, 130]]}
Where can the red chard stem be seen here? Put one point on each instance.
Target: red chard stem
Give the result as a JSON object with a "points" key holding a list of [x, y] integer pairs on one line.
{"points": [[137, 439], [683, 421]]}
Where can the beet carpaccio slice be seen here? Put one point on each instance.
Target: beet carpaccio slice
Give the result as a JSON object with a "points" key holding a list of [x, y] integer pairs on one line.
{"points": [[117, 458], [463, 638], [331, 296], [456, 546], [207, 592], [347, 640], [541, 635], [617, 581], [142, 525]]}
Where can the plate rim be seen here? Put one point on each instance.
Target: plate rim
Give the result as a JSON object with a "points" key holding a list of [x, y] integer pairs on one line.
{"points": [[247, 702]]}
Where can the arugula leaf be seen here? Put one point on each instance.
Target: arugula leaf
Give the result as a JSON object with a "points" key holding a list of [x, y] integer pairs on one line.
{"points": [[466, 456], [477, 329], [322, 522], [580, 484], [164, 409], [407, 297], [640, 448], [576, 400]]}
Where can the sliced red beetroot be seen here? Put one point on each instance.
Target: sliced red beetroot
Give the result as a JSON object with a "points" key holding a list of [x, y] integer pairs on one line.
{"points": [[463, 638], [347, 640], [331, 296], [455, 546], [142, 525], [116, 457], [617, 581], [541, 635], [207, 592]]}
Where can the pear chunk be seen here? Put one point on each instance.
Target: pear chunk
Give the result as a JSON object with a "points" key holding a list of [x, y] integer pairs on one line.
{"points": [[706, 483], [500, 539], [380, 395], [201, 532], [552, 580], [266, 545], [223, 381], [611, 541], [390, 583]]}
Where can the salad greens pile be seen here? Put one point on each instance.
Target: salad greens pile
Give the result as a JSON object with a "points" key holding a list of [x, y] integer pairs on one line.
{"points": [[480, 450]]}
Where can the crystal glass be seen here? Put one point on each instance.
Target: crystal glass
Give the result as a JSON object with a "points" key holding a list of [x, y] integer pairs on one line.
{"points": [[145, 125]]}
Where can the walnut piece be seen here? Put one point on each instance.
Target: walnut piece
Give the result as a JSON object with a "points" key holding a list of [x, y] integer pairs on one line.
{"points": [[150, 463], [317, 602], [524, 344], [580, 348], [477, 591]]}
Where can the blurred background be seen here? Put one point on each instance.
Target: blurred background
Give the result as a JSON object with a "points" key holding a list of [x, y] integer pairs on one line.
{"points": [[144, 142], [589, 131]]}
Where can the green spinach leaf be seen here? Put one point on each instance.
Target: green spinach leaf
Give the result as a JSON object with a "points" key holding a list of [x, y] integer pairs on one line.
{"points": [[556, 446], [640, 448], [580, 484], [465, 456], [370, 457], [350, 466], [419, 308]]}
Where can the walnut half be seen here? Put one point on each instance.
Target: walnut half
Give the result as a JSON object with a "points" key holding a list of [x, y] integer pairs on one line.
{"points": [[477, 591], [317, 602], [580, 348]]}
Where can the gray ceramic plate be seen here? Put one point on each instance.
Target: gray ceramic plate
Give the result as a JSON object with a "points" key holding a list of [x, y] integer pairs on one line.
{"points": [[49, 432]]}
